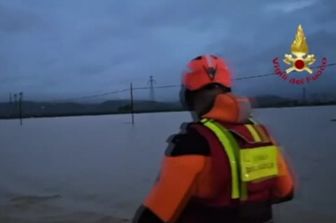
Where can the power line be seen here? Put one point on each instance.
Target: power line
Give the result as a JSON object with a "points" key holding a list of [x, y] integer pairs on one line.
{"points": [[91, 96], [140, 88], [152, 87], [272, 73], [169, 86], [254, 76]]}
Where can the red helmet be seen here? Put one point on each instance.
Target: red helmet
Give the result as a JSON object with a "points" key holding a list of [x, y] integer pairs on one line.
{"points": [[205, 70]]}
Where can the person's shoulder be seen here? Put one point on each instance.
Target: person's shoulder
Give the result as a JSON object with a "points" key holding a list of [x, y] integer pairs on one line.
{"points": [[187, 142], [261, 126]]}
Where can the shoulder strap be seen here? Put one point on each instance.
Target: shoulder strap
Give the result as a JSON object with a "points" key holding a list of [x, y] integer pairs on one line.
{"points": [[231, 148]]}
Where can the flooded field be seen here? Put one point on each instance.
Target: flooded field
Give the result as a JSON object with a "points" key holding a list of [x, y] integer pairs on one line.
{"points": [[99, 168]]}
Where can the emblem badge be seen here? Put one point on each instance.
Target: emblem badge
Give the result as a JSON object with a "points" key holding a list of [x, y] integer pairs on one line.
{"points": [[299, 60]]}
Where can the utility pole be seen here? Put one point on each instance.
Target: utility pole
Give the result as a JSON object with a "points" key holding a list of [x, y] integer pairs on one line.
{"points": [[304, 95], [132, 103], [151, 84], [10, 105], [15, 98], [20, 106], [15, 106], [10, 98]]}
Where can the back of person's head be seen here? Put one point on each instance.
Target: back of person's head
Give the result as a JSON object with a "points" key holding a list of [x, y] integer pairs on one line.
{"points": [[206, 77]]}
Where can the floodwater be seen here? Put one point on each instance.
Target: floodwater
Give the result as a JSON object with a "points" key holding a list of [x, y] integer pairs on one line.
{"points": [[100, 168]]}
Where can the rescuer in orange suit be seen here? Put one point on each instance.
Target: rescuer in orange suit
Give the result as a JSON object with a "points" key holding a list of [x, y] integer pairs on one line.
{"points": [[224, 166]]}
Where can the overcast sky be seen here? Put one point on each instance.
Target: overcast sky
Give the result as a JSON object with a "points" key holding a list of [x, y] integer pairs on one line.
{"points": [[55, 49]]}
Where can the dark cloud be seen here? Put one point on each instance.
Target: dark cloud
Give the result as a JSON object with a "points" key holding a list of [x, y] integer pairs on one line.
{"points": [[15, 20], [73, 48]]}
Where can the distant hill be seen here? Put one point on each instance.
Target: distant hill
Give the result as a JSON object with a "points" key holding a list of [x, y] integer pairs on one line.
{"points": [[52, 109], [48, 109], [273, 101], [277, 101]]}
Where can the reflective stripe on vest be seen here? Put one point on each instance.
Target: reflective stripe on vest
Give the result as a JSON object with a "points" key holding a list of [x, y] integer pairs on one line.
{"points": [[245, 170], [254, 133], [257, 132], [228, 144]]}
